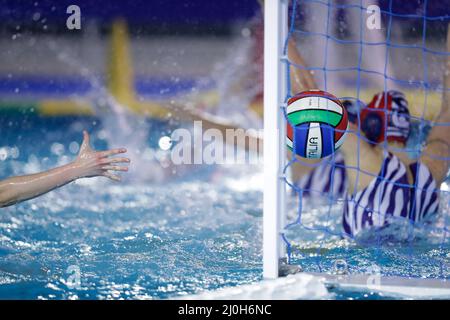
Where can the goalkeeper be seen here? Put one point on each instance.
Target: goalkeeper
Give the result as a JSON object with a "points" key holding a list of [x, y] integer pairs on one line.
{"points": [[381, 186]]}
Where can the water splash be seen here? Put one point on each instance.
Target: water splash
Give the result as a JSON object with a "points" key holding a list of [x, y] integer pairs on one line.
{"points": [[119, 126]]}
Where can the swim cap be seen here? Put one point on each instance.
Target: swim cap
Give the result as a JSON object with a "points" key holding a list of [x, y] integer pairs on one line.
{"points": [[398, 120]]}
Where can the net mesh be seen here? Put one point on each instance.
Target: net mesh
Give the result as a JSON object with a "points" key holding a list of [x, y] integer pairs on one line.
{"points": [[407, 53]]}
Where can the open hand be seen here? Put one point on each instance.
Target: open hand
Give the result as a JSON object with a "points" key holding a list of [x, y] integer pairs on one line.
{"points": [[91, 163]]}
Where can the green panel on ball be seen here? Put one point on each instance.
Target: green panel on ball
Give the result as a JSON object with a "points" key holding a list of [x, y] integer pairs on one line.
{"points": [[323, 116]]}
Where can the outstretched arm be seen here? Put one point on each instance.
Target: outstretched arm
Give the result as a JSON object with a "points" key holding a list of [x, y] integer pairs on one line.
{"points": [[436, 154], [89, 163], [244, 139], [301, 78]]}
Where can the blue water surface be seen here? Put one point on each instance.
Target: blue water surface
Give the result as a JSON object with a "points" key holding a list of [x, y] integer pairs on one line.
{"points": [[149, 240], [96, 239]]}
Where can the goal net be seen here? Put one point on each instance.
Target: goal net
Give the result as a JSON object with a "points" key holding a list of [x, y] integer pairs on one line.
{"points": [[354, 49]]}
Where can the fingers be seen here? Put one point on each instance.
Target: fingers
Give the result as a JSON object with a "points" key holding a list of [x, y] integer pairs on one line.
{"points": [[111, 152], [86, 140], [108, 174], [111, 176], [102, 154], [115, 168], [114, 160]]}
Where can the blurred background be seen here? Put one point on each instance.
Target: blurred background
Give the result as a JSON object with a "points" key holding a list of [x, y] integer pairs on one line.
{"points": [[133, 59], [174, 46], [171, 44]]}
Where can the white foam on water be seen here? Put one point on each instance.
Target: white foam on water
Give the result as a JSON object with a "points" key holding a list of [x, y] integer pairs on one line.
{"points": [[300, 286]]}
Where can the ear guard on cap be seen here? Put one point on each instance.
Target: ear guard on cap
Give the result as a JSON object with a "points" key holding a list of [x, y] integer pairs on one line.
{"points": [[373, 126], [395, 126]]}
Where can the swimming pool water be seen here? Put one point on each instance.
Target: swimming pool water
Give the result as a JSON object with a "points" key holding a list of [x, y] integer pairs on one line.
{"points": [[127, 241], [149, 240]]}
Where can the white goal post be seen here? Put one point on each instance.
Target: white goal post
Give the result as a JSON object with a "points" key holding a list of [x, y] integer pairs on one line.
{"points": [[275, 90]]}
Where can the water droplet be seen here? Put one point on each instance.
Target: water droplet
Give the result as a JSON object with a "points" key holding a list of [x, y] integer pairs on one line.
{"points": [[57, 148], [74, 147], [246, 32], [3, 153], [165, 143], [36, 16], [14, 152]]}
